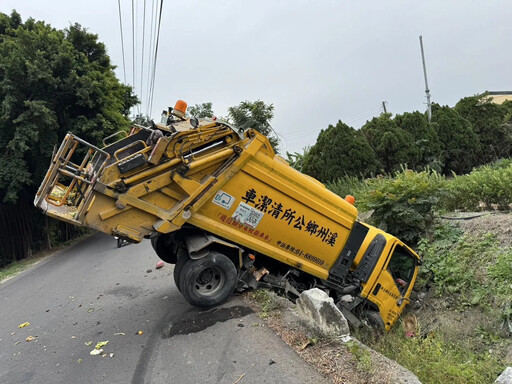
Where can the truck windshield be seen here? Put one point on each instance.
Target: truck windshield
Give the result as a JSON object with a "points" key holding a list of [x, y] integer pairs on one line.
{"points": [[401, 266]]}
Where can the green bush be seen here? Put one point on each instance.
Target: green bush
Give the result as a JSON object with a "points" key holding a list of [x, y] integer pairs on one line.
{"points": [[486, 187], [404, 205]]}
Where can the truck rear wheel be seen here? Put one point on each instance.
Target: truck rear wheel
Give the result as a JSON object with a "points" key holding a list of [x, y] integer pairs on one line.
{"points": [[209, 281], [180, 262], [162, 249]]}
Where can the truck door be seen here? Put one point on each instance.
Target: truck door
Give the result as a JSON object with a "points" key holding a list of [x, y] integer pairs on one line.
{"points": [[394, 284]]}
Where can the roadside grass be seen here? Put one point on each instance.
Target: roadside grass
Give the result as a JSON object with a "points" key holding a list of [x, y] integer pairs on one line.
{"points": [[435, 360], [463, 334], [362, 356], [267, 303], [469, 271], [16, 267]]}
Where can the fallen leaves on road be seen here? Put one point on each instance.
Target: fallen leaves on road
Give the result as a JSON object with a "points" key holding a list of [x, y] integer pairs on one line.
{"points": [[96, 352], [79, 361], [25, 324], [119, 334], [30, 338], [88, 343], [101, 344], [111, 355]]}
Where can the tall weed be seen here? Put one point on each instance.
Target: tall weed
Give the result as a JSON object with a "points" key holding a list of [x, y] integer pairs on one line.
{"points": [[485, 187], [435, 360], [349, 185], [474, 268], [404, 205]]}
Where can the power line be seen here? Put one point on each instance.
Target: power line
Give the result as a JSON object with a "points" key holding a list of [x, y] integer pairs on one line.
{"points": [[156, 55], [363, 113], [151, 46], [142, 58], [133, 45], [122, 39]]}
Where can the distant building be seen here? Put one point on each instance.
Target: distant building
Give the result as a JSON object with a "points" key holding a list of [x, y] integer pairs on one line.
{"points": [[498, 97]]}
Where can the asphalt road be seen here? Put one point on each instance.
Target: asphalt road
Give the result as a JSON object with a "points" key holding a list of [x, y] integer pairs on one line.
{"points": [[94, 292]]}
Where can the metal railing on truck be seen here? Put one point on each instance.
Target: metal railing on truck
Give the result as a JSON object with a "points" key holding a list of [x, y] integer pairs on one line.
{"points": [[69, 182]]}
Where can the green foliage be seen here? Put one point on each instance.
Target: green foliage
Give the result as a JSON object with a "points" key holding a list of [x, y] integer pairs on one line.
{"points": [[52, 82], [472, 268], [362, 355], [460, 145], [487, 120], [424, 138], [201, 111], [392, 145], [268, 303], [256, 115], [489, 184], [296, 159], [352, 185], [435, 360], [404, 205], [340, 150]]}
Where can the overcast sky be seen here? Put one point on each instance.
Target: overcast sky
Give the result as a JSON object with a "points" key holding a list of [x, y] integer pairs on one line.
{"points": [[316, 61]]}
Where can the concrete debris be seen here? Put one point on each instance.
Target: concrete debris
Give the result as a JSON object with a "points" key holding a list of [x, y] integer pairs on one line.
{"points": [[316, 308], [505, 377], [96, 352]]}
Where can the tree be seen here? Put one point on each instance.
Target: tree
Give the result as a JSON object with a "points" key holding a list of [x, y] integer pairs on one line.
{"points": [[256, 115], [201, 111], [487, 120], [51, 82], [424, 138], [460, 144], [340, 150], [392, 145], [296, 159]]}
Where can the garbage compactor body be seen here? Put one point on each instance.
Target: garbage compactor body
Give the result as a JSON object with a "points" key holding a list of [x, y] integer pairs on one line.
{"points": [[230, 214]]}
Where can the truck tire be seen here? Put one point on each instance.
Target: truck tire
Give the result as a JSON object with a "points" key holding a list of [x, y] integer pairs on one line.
{"points": [[180, 262], [373, 319], [163, 251], [209, 281]]}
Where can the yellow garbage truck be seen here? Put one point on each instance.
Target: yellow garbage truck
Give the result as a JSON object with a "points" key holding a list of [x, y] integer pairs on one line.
{"points": [[231, 214]]}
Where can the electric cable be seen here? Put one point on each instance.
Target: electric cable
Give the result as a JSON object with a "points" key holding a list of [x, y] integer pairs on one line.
{"points": [[142, 55], [156, 54], [122, 39], [150, 63]]}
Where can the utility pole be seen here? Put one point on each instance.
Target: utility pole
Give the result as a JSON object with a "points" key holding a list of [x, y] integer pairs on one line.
{"points": [[384, 107], [427, 91]]}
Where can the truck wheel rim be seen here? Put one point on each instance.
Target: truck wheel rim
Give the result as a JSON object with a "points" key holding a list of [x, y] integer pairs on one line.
{"points": [[209, 281]]}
